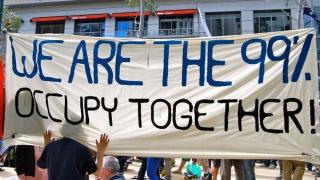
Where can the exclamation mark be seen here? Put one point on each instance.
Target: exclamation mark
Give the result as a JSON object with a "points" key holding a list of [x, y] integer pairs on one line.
{"points": [[312, 117]]}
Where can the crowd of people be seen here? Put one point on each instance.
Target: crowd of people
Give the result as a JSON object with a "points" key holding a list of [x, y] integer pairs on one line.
{"points": [[66, 158]]}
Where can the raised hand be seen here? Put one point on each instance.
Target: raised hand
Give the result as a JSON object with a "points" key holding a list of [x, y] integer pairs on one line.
{"points": [[47, 136], [103, 143], [101, 148]]}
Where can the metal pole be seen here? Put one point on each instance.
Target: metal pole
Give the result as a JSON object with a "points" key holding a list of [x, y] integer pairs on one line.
{"points": [[315, 173], [1, 12], [300, 13], [198, 19], [2, 35], [141, 23]]}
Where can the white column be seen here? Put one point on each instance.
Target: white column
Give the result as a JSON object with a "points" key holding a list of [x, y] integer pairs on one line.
{"points": [[196, 25], [69, 27], [110, 26], [247, 22], [153, 26], [294, 19]]}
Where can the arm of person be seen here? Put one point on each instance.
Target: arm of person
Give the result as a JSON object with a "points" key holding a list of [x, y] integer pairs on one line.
{"points": [[42, 161], [101, 148]]}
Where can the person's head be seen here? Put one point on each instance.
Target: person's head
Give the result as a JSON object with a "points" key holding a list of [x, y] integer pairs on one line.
{"points": [[194, 161], [111, 166], [72, 131]]}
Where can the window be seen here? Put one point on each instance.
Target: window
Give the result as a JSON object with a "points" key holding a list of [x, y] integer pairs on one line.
{"points": [[128, 27], [176, 25], [50, 27], [222, 24], [270, 21], [89, 27]]}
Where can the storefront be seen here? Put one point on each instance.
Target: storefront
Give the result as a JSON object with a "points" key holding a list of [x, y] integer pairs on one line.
{"points": [[176, 22], [127, 24], [90, 25]]}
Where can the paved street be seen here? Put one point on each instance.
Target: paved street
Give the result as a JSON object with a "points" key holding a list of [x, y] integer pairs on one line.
{"points": [[261, 173]]}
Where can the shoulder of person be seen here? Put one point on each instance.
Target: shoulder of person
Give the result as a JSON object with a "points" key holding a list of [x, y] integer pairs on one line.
{"points": [[79, 146]]}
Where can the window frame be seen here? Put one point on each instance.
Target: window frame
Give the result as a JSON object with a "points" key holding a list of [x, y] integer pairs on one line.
{"points": [[223, 16], [272, 14], [188, 19], [101, 22], [133, 29], [39, 27]]}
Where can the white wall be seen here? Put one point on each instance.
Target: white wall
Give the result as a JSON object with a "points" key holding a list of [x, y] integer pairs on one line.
{"points": [[314, 2], [69, 27], [247, 22], [246, 7], [153, 25]]}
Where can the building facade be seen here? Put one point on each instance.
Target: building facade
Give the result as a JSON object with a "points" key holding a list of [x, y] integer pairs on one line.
{"points": [[167, 18]]}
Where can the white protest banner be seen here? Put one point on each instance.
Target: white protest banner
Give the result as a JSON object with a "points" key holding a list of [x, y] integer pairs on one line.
{"points": [[247, 96]]}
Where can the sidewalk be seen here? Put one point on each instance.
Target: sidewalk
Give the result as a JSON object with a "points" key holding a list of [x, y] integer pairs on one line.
{"points": [[261, 173]]}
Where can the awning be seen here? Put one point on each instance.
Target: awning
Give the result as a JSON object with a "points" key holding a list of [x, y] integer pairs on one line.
{"points": [[177, 12], [90, 16], [129, 14], [49, 19]]}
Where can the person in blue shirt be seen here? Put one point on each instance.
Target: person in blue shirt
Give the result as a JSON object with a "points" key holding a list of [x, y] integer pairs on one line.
{"points": [[67, 159]]}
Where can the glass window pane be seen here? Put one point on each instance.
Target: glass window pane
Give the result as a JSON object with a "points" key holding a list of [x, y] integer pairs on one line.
{"points": [[128, 27], [190, 27], [209, 25], [217, 29], [238, 26], [278, 23], [268, 21], [256, 25], [287, 23], [229, 27], [265, 24], [165, 28], [122, 28], [224, 23], [50, 27], [90, 28], [176, 25]]}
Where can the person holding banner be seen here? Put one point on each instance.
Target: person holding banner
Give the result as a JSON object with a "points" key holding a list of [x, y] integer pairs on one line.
{"points": [[238, 166], [153, 168], [215, 168], [68, 159], [296, 174], [25, 162], [249, 169]]}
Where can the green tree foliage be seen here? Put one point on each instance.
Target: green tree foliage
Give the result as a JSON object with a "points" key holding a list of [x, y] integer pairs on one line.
{"points": [[149, 5], [10, 20]]}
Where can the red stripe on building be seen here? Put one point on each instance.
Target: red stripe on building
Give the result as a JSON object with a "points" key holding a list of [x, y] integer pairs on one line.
{"points": [[91, 16], [49, 19], [177, 12], [129, 14]]}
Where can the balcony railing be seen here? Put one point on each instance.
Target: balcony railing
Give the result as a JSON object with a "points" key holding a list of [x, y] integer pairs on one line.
{"points": [[129, 33], [94, 34], [157, 33], [177, 32]]}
